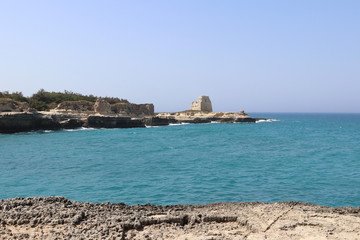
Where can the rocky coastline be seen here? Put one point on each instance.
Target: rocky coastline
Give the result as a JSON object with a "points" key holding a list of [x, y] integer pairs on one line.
{"points": [[16, 117], [60, 218]]}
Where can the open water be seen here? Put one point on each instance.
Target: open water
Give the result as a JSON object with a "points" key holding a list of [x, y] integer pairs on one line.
{"points": [[303, 157]]}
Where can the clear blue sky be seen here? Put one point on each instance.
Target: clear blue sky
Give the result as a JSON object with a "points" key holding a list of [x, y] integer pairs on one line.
{"points": [[260, 56]]}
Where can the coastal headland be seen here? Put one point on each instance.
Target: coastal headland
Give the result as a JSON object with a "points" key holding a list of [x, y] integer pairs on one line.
{"points": [[60, 218], [18, 116]]}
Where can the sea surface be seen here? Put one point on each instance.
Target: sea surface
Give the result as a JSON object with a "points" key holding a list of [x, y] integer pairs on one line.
{"points": [[312, 158]]}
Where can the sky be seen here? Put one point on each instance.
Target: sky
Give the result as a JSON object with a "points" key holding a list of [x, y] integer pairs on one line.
{"points": [[259, 56]]}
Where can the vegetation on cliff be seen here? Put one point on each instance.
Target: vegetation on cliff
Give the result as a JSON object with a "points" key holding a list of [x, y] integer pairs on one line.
{"points": [[43, 100]]}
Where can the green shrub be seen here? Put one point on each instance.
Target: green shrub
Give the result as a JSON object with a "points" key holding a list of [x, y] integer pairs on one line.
{"points": [[43, 100]]}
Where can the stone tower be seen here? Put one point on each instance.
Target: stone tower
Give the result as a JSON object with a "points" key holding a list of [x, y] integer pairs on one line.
{"points": [[202, 104]]}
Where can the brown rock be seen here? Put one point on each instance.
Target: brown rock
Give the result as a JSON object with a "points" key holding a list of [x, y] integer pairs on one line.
{"points": [[133, 110], [101, 106]]}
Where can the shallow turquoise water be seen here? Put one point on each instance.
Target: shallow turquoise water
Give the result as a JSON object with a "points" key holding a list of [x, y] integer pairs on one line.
{"points": [[303, 157]]}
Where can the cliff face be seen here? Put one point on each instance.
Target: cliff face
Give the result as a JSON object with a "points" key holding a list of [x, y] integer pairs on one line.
{"points": [[133, 110], [113, 122], [8, 105], [103, 107], [24, 122]]}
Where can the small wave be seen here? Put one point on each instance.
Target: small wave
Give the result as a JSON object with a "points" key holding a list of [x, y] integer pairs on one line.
{"points": [[36, 132], [178, 124], [77, 129], [267, 120]]}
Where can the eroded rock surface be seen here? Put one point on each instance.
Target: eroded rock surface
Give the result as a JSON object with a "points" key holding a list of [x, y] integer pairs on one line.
{"points": [[133, 110], [59, 218], [23, 122], [192, 116], [101, 106], [9, 105], [95, 121]]}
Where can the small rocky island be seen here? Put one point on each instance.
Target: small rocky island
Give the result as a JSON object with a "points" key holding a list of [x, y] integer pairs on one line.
{"points": [[18, 116]]}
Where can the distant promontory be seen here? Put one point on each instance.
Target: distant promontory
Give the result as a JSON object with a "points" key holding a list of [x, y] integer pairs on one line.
{"points": [[68, 110]]}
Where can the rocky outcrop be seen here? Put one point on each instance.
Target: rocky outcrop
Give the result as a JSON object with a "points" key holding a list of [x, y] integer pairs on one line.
{"points": [[76, 114], [206, 117], [9, 105], [202, 104], [78, 106], [133, 110], [157, 121], [59, 218], [24, 122], [96, 121], [102, 107]]}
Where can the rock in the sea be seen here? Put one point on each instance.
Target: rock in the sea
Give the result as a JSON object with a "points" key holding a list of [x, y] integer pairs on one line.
{"points": [[202, 104], [157, 121], [133, 110], [71, 123], [101, 106], [97, 121], [24, 122]]}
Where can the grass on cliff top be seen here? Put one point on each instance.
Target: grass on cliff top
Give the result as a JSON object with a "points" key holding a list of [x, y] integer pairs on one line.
{"points": [[43, 100]]}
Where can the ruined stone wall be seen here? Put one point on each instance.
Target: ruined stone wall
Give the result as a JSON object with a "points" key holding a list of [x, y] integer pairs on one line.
{"points": [[202, 104]]}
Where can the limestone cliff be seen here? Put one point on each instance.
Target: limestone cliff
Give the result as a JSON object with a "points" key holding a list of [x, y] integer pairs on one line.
{"points": [[23, 122], [9, 105], [133, 110], [101, 106]]}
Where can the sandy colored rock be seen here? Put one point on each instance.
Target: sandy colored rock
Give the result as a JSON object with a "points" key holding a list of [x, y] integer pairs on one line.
{"points": [[202, 104], [192, 116], [133, 110], [59, 218], [9, 105], [101, 106]]}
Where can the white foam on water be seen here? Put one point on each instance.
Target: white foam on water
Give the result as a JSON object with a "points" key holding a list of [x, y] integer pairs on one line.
{"points": [[267, 120], [178, 124], [77, 129]]}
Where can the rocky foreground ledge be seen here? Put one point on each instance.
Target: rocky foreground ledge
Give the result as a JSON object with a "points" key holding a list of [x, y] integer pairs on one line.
{"points": [[59, 218]]}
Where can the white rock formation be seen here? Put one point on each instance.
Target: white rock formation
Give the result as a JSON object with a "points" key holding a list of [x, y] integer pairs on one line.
{"points": [[202, 104]]}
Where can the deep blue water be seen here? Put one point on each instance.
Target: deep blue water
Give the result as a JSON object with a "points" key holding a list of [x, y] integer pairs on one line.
{"points": [[303, 157]]}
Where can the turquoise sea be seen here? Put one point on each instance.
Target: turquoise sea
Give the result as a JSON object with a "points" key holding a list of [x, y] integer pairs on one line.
{"points": [[311, 158]]}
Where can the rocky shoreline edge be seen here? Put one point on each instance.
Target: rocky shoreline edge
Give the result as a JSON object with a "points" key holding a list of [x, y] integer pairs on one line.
{"points": [[60, 218], [15, 122]]}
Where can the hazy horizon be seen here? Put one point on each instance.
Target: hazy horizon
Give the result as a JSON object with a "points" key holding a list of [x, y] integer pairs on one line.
{"points": [[259, 56]]}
